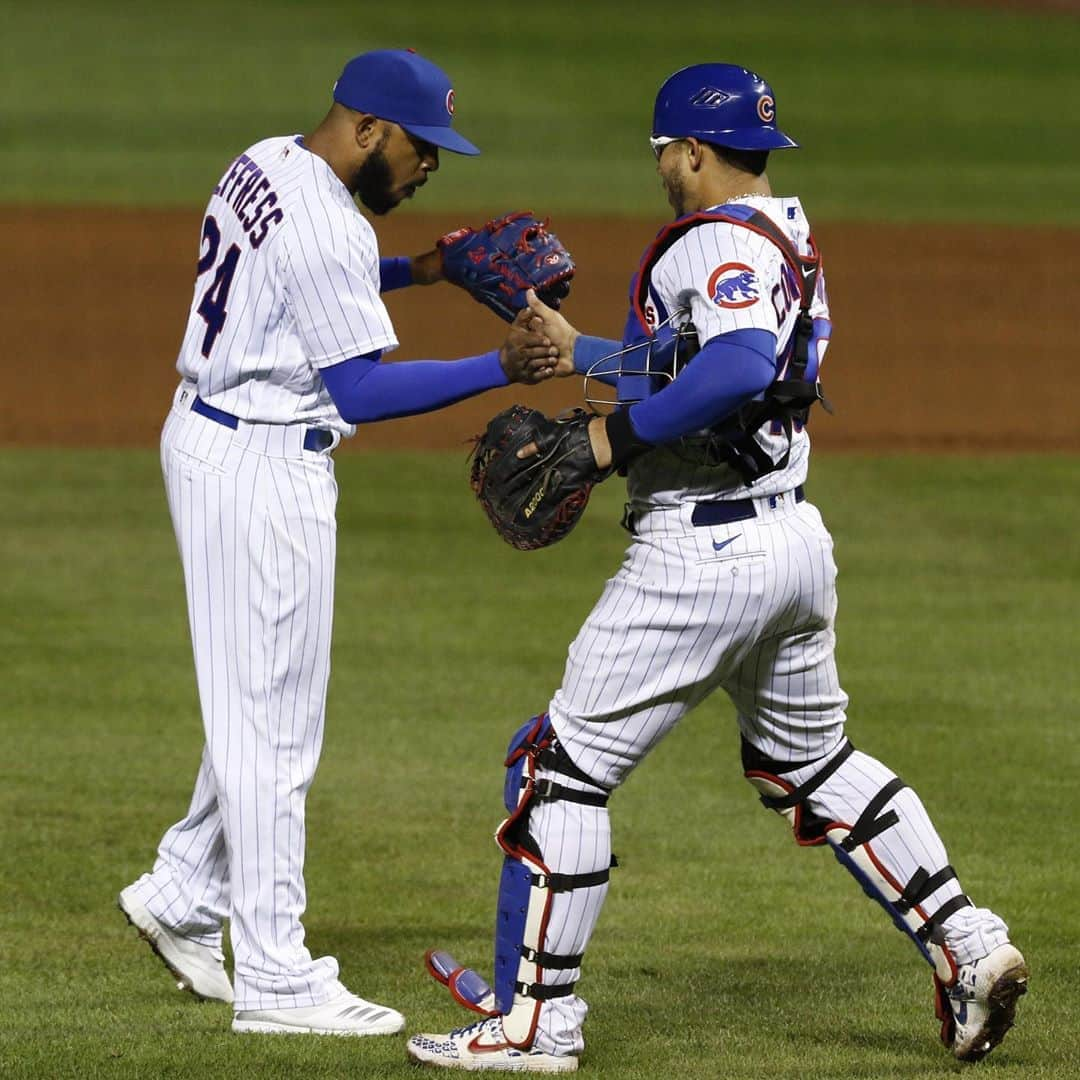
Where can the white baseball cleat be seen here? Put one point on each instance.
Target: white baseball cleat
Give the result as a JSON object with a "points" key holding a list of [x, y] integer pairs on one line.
{"points": [[345, 1014], [979, 1007], [198, 968], [483, 1046]]}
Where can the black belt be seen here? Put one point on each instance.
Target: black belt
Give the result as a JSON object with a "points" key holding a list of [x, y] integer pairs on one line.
{"points": [[316, 439], [723, 513]]}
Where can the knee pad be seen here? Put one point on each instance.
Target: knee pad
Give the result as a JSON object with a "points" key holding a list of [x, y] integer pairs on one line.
{"points": [[851, 844]]}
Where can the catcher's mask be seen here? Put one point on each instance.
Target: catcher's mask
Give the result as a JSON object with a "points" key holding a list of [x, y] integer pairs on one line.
{"points": [[645, 366]]}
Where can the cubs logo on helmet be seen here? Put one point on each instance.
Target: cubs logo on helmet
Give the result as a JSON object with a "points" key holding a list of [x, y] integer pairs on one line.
{"points": [[734, 285], [722, 104]]}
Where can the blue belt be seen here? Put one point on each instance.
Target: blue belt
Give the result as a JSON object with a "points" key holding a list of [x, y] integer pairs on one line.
{"points": [[723, 513], [316, 439]]}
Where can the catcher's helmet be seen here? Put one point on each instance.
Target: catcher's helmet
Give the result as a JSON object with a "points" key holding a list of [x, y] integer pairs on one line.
{"points": [[719, 103]]}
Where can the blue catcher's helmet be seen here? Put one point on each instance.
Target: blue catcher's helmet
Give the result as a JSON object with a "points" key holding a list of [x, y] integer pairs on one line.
{"points": [[722, 104]]}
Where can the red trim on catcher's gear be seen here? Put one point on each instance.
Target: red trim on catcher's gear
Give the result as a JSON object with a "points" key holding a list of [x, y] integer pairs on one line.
{"points": [[945, 950], [450, 981], [664, 239], [800, 839], [918, 909], [943, 1011], [529, 743], [452, 986], [525, 856], [433, 971], [816, 841]]}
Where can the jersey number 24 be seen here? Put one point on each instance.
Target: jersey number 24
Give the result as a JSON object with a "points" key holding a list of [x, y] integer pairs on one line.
{"points": [[212, 305]]}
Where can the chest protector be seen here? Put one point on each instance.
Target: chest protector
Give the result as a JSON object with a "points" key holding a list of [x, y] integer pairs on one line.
{"points": [[786, 402]]}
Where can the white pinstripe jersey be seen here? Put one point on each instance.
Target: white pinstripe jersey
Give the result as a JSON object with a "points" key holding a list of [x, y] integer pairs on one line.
{"points": [[288, 283], [725, 278]]}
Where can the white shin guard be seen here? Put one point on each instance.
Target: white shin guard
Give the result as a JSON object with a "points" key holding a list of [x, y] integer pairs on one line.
{"points": [[880, 831], [557, 859]]}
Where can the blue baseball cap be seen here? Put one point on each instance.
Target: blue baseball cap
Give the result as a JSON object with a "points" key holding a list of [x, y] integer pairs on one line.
{"points": [[720, 103], [399, 85]]}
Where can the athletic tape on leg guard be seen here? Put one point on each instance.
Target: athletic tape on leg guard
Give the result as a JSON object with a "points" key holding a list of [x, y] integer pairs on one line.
{"points": [[851, 844], [527, 885]]}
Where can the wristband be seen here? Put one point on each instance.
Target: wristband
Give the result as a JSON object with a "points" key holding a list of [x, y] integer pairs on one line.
{"points": [[625, 442], [395, 272]]}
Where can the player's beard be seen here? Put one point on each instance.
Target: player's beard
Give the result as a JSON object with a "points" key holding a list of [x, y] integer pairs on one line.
{"points": [[373, 183]]}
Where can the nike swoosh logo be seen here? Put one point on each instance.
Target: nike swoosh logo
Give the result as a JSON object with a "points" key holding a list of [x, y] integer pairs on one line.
{"points": [[720, 547], [478, 1047]]}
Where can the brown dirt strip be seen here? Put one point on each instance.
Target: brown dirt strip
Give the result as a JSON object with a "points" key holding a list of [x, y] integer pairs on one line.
{"points": [[946, 337]]}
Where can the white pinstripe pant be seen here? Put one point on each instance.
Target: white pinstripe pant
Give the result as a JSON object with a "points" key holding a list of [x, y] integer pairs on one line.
{"points": [[254, 516], [746, 607]]}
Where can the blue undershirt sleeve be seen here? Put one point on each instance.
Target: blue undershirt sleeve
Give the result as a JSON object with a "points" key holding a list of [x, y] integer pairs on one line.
{"points": [[395, 273], [365, 389], [730, 370], [588, 350]]}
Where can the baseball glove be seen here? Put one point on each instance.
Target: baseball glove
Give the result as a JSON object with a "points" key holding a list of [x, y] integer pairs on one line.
{"points": [[496, 264], [535, 501]]}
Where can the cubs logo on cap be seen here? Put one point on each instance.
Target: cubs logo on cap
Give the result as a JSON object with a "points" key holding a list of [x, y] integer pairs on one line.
{"points": [[399, 85]]}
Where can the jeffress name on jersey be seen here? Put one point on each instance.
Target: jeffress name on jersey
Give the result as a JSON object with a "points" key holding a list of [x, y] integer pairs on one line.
{"points": [[247, 190]]}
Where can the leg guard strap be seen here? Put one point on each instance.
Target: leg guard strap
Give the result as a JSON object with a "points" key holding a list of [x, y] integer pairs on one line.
{"points": [[546, 790], [793, 798], [921, 885], [557, 883], [554, 758], [931, 931], [552, 961], [869, 824], [541, 992]]}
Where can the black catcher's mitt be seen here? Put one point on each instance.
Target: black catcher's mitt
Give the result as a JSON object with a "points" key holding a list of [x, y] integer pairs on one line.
{"points": [[496, 264], [535, 501]]}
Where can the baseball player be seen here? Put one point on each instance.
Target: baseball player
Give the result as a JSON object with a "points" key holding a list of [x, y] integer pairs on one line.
{"points": [[280, 360], [728, 583]]}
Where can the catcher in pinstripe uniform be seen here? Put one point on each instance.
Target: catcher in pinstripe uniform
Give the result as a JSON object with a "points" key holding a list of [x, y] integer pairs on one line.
{"points": [[728, 584]]}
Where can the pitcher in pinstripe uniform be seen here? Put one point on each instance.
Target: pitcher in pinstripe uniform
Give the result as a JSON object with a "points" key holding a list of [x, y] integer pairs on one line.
{"points": [[728, 584], [280, 360]]}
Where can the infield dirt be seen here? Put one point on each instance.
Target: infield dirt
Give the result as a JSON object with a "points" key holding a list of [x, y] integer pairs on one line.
{"points": [[945, 337]]}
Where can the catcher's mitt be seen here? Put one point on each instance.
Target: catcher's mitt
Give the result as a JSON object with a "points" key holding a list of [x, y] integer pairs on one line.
{"points": [[499, 262], [535, 501]]}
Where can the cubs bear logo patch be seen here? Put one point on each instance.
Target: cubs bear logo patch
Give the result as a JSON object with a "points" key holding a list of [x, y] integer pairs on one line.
{"points": [[734, 285]]}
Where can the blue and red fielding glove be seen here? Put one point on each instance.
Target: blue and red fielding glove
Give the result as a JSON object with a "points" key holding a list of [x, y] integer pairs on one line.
{"points": [[499, 262]]}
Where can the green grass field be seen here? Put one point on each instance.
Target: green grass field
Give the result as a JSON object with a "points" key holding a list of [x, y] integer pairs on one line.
{"points": [[907, 111], [724, 950]]}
